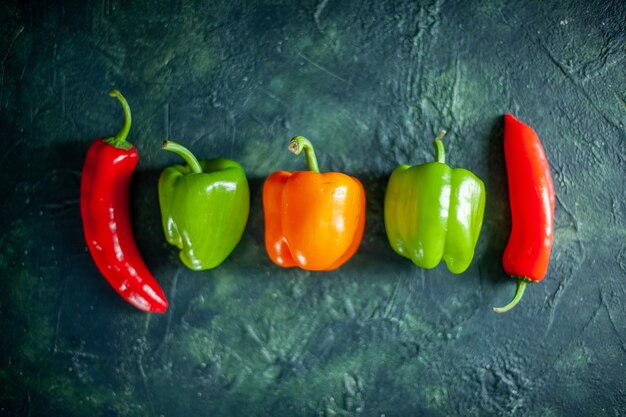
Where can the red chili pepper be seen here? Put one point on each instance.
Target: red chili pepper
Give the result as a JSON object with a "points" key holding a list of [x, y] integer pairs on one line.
{"points": [[531, 195], [104, 207]]}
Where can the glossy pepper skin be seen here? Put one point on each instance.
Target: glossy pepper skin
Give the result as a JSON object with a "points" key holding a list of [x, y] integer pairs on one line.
{"points": [[434, 212], [104, 193], [204, 207], [531, 195], [313, 221]]}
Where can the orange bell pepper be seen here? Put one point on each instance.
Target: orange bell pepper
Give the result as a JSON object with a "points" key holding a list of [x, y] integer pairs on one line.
{"points": [[314, 221]]}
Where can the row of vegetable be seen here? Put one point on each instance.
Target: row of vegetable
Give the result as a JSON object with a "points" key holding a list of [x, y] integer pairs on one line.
{"points": [[313, 220]]}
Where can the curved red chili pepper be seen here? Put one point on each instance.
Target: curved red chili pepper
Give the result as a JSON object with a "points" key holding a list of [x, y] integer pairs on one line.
{"points": [[104, 208], [531, 194]]}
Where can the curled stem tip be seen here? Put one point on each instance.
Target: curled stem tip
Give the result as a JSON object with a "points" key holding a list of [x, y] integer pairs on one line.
{"points": [[294, 147], [519, 292], [185, 153], [441, 134], [300, 143]]}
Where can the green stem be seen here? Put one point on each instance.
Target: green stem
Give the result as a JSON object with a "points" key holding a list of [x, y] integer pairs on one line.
{"points": [[297, 144], [191, 160], [521, 286], [119, 140], [441, 152]]}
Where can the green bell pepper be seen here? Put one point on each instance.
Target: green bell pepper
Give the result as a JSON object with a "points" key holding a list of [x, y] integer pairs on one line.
{"points": [[204, 207], [434, 212]]}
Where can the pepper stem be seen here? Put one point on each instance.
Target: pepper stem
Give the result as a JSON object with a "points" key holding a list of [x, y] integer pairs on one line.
{"points": [[441, 152], [297, 144], [521, 286], [119, 140], [191, 160]]}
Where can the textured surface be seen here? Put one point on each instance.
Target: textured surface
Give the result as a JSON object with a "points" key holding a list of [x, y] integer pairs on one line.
{"points": [[370, 83]]}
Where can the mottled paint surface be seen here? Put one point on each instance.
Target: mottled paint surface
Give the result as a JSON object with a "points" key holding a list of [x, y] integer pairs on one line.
{"points": [[370, 83]]}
